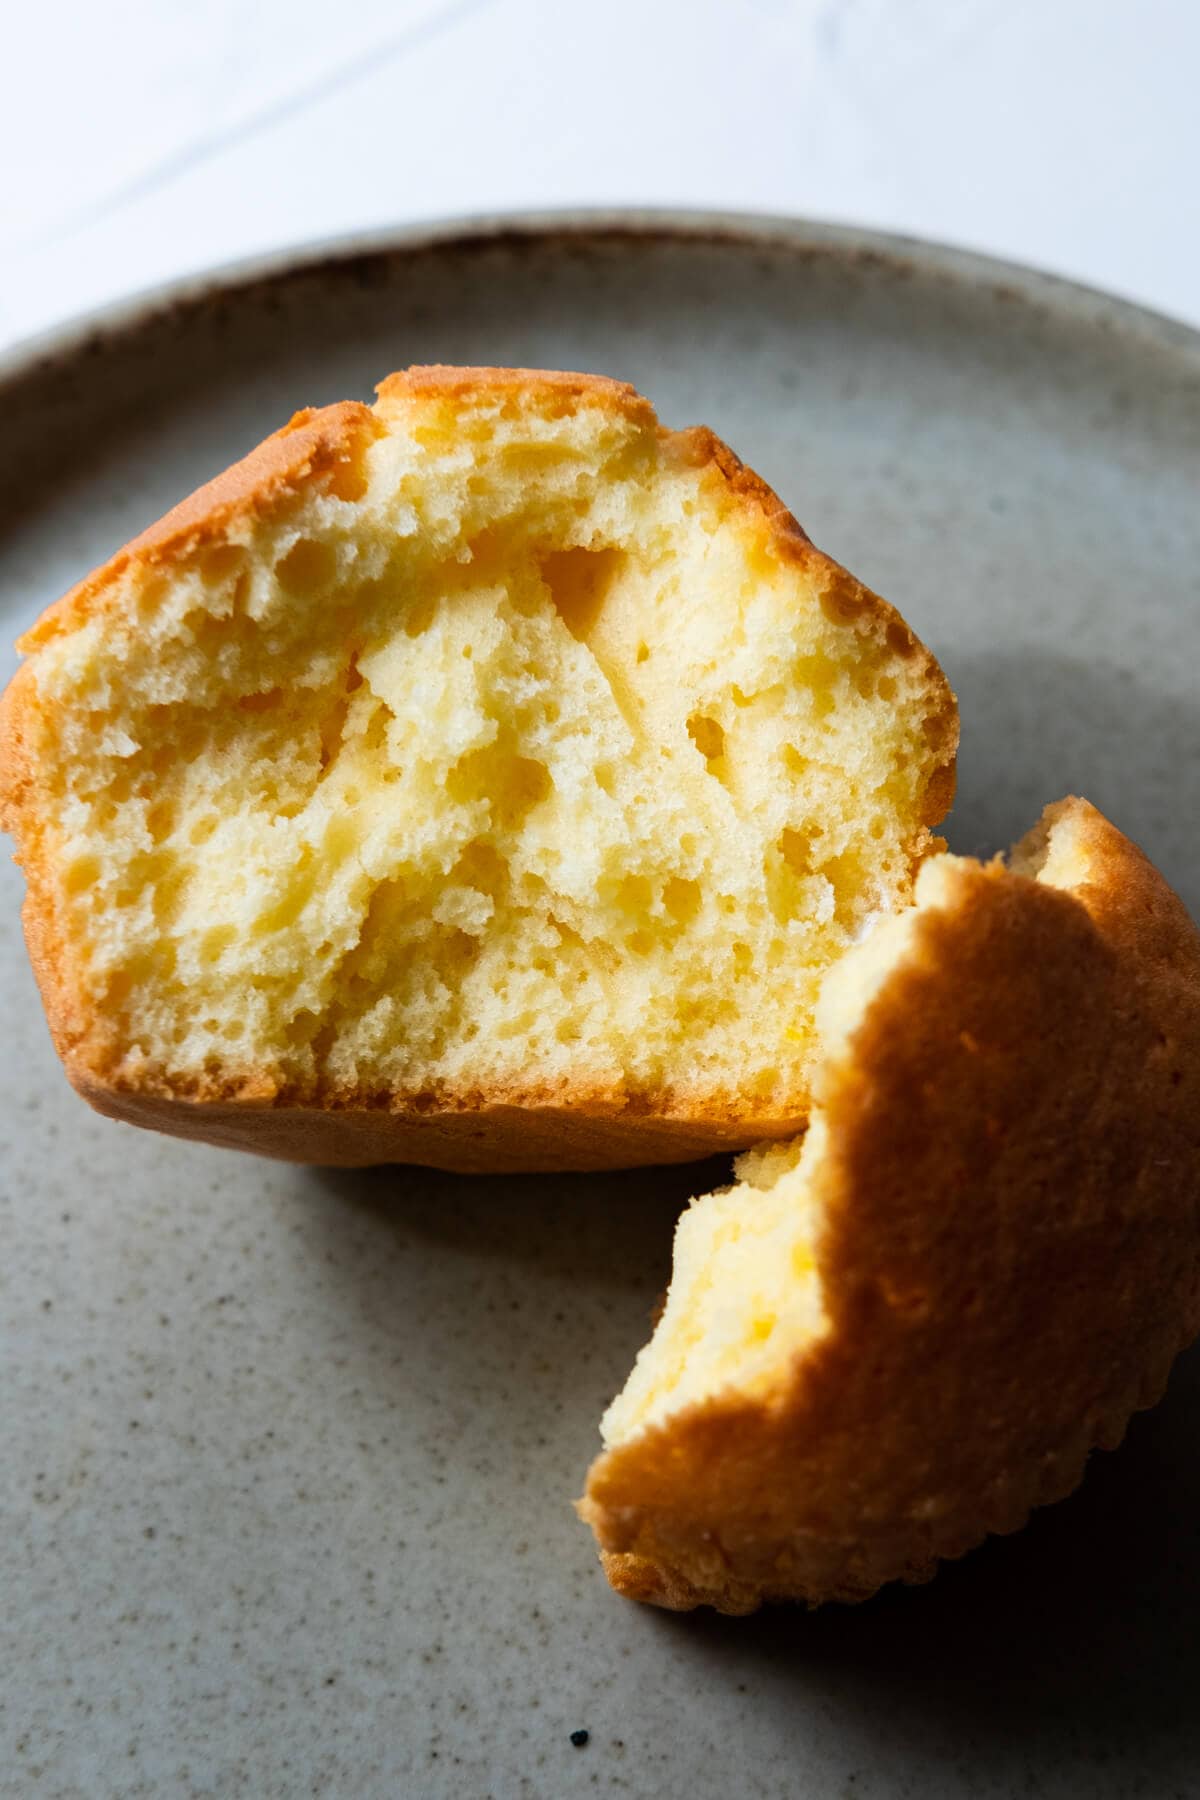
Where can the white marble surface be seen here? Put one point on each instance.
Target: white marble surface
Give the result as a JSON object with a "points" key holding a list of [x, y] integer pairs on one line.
{"points": [[142, 141]]}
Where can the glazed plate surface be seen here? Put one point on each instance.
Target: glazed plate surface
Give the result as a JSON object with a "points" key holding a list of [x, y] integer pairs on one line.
{"points": [[287, 1455]]}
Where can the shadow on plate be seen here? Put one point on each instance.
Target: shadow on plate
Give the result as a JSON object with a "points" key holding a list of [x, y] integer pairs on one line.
{"points": [[1037, 727], [1079, 1631], [516, 1299], [602, 1229]]}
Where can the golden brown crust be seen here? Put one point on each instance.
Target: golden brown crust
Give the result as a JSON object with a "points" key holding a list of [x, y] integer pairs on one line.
{"points": [[476, 1137], [582, 1128], [447, 381], [315, 448], [1010, 1254], [68, 1015]]}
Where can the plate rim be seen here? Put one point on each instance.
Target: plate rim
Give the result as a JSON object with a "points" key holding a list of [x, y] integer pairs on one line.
{"points": [[98, 329]]}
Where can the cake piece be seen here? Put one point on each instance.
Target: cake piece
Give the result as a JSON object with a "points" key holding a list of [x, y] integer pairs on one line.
{"points": [[907, 1328], [485, 779]]}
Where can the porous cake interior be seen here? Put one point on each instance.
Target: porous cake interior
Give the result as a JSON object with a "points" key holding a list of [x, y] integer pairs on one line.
{"points": [[745, 1296], [513, 764], [745, 1300]]}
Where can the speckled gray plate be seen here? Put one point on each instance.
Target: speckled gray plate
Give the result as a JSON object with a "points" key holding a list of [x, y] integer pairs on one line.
{"points": [[287, 1456]]}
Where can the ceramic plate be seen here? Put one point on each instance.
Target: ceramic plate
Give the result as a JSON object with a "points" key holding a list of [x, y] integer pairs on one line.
{"points": [[288, 1455]]}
